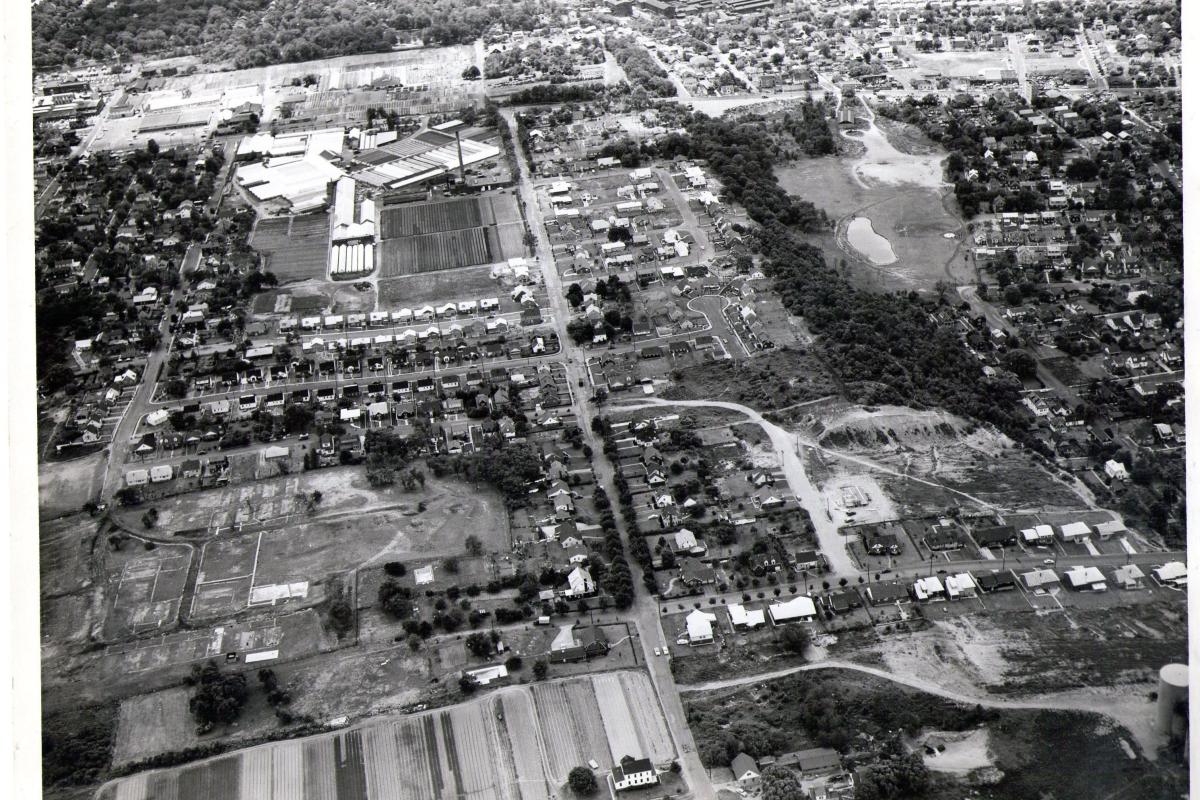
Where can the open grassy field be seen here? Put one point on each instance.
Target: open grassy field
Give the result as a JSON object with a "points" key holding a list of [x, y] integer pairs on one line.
{"points": [[294, 248], [912, 218], [960, 64], [431, 287], [63, 487], [155, 723], [491, 747]]}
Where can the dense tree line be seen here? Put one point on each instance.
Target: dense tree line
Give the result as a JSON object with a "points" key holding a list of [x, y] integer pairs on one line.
{"points": [[510, 469], [261, 32], [826, 711], [640, 67], [743, 157]]}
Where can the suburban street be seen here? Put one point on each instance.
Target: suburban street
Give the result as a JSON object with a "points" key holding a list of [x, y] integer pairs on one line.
{"points": [[645, 608]]}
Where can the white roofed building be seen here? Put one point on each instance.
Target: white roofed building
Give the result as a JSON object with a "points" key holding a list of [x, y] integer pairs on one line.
{"points": [[798, 609]]}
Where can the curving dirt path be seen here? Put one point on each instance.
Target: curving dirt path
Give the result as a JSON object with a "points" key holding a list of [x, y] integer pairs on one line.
{"points": [[1132, 713]]}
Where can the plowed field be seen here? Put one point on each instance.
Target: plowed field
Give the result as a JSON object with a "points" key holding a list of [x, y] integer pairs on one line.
{"points": [[515, 744]]}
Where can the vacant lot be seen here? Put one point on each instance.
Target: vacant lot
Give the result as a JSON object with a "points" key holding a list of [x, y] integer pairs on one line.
{"points": [[154, 723], [295, 248], [147, 590], [431, 287], [65, 486]]}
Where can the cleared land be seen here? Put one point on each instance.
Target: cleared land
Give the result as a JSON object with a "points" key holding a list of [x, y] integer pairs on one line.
{"points": [[295, 248], [463, 751], [65, 486], [912, 219], [430, 287]]}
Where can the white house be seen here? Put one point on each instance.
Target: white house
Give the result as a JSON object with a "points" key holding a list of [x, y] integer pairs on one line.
{"points": [[1086, 578], [1075, 531], [579, 583], [1173, 573], [929, 588], [1111, 528], [160, 473], [1039, 578], [798, 609], [741, 618], [1115, 470], [137, 477], [633, 772], [699, 626], [960, 585], [1128, 576], [1038, 535], [158, 417]]}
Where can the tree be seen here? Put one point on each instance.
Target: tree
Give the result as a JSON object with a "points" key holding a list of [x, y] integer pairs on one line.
{"points": [[473, 545], [480, 645], [395, 569], [540, 668], [794, 638], [395, 600], [471, 73], [582, 781], [467, 684], [780, 783], [218, 697], [514, 664]]}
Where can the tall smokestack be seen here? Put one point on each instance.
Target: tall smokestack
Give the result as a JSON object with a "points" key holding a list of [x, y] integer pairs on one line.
{"points": [[462, 171]]}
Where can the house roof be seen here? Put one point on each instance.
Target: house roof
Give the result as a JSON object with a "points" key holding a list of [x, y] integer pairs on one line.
{"points": [[743, 766], [800, 607], [740, 616], [699, 624]]}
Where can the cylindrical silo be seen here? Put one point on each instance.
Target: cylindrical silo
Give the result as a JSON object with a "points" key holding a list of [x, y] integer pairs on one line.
{"points": [[1172, 689]]}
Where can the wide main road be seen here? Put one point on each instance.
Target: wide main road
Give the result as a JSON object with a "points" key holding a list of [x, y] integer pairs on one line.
{"points": [[645, 609]]}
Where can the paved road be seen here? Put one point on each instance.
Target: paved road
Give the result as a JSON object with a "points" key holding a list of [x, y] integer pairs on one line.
{"points": [[1134, 716], [645, 609]]}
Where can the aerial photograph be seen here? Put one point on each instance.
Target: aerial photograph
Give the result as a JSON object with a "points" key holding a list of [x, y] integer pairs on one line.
{"points": [[609, 400]]}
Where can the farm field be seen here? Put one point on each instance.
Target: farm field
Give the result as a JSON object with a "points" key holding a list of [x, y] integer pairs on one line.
{"points": [[479, 749], [419, 238], [295, 248], [413, 255]]}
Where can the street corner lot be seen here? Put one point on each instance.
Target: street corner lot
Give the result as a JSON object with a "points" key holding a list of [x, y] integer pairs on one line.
{"points": [[856, 499], [146, 587]]}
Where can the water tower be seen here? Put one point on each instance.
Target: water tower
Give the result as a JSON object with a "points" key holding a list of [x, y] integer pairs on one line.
{"points": [[1172, 690]]}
